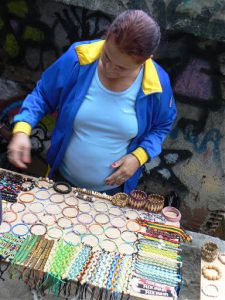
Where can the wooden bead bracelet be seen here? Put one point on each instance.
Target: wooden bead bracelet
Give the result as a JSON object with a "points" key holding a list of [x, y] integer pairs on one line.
{"points": [[206, 274]]}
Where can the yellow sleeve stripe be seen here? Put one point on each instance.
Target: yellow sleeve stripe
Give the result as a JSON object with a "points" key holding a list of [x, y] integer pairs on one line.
{"points": [[22, 127], [141, 155]]}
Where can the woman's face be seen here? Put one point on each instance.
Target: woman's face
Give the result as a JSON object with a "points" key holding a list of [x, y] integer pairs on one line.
{"points": [[116, 64]]}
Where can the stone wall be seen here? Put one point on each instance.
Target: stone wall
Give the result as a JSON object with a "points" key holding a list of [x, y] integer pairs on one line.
{"points": [[33, 33]]}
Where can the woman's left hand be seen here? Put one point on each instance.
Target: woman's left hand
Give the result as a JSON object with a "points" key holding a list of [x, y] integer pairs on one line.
{"points": [[126, 167]]}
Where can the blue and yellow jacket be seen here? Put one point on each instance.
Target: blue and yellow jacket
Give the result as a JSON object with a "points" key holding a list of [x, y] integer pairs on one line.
{"points": [[63, 87]]}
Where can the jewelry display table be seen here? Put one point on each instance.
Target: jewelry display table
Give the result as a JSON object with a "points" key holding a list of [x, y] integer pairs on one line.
{"points": [[75, 236]]}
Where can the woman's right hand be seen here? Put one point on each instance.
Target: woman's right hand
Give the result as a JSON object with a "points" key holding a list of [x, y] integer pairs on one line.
{"points": [[19, 150]]}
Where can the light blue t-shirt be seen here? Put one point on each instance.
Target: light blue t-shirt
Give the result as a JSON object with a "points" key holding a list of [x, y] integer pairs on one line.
{"points": [[103, 128]]}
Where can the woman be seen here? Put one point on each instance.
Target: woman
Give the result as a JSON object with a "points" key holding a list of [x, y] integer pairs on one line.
{"points": [[115, 108]]}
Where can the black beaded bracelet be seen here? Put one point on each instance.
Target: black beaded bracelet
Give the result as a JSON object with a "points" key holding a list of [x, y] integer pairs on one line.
{"points": [[30, 187], [64, 184]]}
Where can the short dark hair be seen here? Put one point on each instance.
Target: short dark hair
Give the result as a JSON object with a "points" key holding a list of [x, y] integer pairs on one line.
{"points": [[135, 33]]}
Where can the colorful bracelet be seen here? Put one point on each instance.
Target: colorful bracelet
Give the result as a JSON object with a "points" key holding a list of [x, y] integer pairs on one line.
{"points": [[137, 199], [23, 195]]}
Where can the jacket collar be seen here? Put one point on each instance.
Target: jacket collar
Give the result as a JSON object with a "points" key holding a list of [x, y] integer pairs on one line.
{"points": [[88, 53]]}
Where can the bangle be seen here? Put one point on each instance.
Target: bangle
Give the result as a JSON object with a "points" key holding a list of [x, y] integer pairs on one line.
{"points": [[38, 229], [42, 191], [118, 222], [115, 211], [5, 227], [20, 229], [71, 200], [64, 223], [126, 249], [55, 198], [101, 218], [18, 207], [96, 229], [108, 245], [44, 180], [84, 207], [132, 214], [47, 220], [209, 251], [36, 207], [154, 203], [90, 240], [112, 233], [29, 187], [10, 216], [133, 226], [79, 229], [54, 233], [22, 197], [206, 293], [129, 236], [85, 218], [62, 187], [72, 238], [120, 199], [221, 258], [137, 199], [211, 277], [70, 212], [29, 218], [171, 214], [53, 209], [100, 206]]}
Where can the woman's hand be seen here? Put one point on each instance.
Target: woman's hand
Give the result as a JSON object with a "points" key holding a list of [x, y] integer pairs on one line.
{"points": [[19, 150], [126, 167]]}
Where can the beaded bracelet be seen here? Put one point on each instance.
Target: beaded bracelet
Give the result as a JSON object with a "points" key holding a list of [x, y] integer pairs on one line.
{"points": [[66, 187], [211, 277], [137, 199], [45, 180], [93, 193], [209, 251], [120, 199], [25, 181]]}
